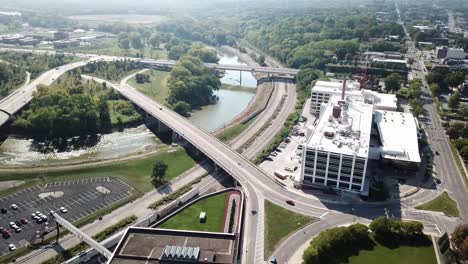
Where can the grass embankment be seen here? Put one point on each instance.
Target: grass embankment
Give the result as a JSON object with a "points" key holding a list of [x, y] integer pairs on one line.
{"points": [[135, 172], [156, 88], [442, 203], [69, 253], [176, 194], [188, 219], [423, 254], [234, 131], [279, 224], [109, 46]]}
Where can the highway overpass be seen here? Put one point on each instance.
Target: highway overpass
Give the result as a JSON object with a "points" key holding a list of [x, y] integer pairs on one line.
{"points": [[224, 67]]}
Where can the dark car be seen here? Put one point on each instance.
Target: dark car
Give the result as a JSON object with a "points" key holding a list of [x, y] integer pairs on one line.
{"points": [[23, 221], [18, 223], [290, 202], [3, 210], [437, 153], [6, 234]]}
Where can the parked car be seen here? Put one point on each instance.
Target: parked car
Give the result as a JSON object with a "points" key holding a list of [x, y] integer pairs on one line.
{"points": [[290, 202], [17, 229], [6, 234], [12, 224], [14, 207], [274, 154], [23, 221], [11, 247], [63, 210], [18, 223], [3, 210]]}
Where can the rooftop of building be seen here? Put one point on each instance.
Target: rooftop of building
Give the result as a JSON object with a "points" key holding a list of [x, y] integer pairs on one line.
{"points": [[380, 100], [336, 86], [344, 127], [390, 60], [398, 135], [140, 245]]}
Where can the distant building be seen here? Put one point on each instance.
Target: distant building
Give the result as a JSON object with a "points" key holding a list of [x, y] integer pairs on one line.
{"points": [[458, 54], [65, 44], [441, 52], [60, 35], [464, 91], [29, 41], [12, 39]]}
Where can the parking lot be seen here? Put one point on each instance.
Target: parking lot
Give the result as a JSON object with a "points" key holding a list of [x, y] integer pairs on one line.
{"points": [[79, 197]]}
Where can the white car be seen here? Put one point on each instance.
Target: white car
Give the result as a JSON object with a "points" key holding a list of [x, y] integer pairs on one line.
{"points": [[63, 210], [14, 206], [37, 213], [11, 247], [12, 224]]}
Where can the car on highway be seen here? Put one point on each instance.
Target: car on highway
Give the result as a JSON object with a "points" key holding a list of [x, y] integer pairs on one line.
{"points": [[63, 210], [11, 247], [290, 202]]}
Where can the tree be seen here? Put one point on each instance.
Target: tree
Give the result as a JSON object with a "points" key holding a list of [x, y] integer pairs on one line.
{"points": [[136, 41], [463, 110], [454, 100], [182, 108], [155, 41], [435, 89], [261, 60], [459, 240], [392, 82], [124, 43], [455, 130], [464, 153], [159, 173]]}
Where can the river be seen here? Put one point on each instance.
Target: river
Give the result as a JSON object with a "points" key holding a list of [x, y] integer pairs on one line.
{"points": [[21, 151]]}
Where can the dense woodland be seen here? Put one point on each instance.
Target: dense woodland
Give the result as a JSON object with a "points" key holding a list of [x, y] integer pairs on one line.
{"points": [[113, 71], [71, 107], [193, 83]]}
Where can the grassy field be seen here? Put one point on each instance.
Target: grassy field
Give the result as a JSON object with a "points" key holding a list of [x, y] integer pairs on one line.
{"points": [[234, 131], [109, 46], [156, 88], [279, 224], [442, 203], [135, 172], [401, 255], [188, 219]]}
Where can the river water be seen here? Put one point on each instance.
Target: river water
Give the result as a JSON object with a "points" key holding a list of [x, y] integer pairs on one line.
{"points": [[20, 151]]}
